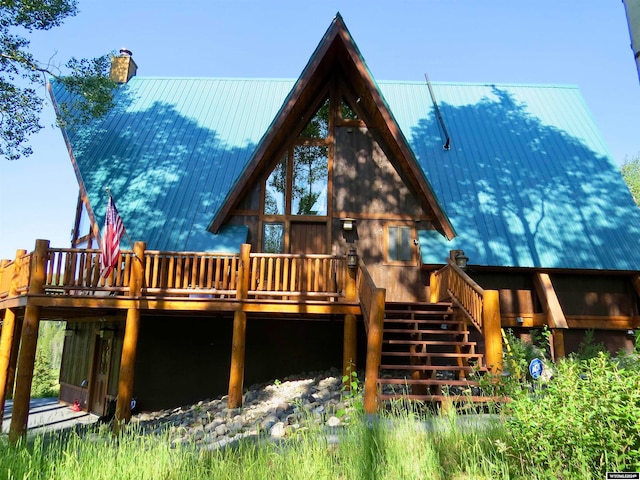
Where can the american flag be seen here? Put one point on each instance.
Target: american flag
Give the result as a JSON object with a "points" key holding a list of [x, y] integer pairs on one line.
{"points": [[113, 231]]}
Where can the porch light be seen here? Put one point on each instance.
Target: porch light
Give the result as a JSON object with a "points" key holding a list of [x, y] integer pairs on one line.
{"points": [[461, 260], [352, 258], [348, 223]]}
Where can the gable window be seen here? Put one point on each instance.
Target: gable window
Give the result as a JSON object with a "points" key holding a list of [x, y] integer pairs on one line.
{"points": [[310, 180], [399, 247]]}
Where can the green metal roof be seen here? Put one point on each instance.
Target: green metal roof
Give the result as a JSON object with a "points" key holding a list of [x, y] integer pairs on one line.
{"points": [[527, 182], [171, 150]]}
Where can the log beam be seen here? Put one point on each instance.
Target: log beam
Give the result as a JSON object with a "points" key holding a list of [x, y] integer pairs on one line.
{"points": [[374, 352], [28, 344], [491, 328], [238, 342], [550, 301], [130, 343], [349, 349], [8, 335]]}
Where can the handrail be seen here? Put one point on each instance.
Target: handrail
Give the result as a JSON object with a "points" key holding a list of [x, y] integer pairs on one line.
{"points": [[480, 306], [451, 282], [372, 305]]}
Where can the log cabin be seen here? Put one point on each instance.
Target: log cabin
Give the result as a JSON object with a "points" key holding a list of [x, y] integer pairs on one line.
{"points": [[332, 220]]}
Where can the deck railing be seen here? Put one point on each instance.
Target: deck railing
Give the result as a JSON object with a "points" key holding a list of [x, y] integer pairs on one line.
{"points": [[479, 306], [372, 304], [72, 271], [289, 276]]}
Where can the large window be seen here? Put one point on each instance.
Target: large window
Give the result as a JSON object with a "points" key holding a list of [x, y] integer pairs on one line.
{"points": [[310, 180]]}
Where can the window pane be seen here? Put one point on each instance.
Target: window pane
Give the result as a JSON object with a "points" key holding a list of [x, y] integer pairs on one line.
{"points": [[310, 180], [347, 112], [273, 238], [275, 189], [392, 243], [318, 126], [404, 249], [399, 244]]}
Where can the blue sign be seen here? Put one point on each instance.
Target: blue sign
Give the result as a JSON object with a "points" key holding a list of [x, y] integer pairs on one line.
{"points": [[535, 368]]}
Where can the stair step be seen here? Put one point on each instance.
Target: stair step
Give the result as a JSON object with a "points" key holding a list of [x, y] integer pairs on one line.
{"points": [[429, 342], [426, 332], [445, 398], [427, 381], [432, 354], [423, 321], [432, 367]]}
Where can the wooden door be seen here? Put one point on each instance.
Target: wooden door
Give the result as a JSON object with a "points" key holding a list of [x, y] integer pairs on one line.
{"points": [[100, 380], [308, 238]]}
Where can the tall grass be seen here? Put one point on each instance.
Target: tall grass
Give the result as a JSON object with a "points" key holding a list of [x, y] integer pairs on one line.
{"points": [[578, 424], [401, 444]]}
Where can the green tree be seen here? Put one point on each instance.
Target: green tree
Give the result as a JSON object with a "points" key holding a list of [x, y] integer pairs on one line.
{"points": [[631, 173], [21, 73]]}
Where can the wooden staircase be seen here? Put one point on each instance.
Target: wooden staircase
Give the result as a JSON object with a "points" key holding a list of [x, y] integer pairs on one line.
{"points": [[427, 356]]}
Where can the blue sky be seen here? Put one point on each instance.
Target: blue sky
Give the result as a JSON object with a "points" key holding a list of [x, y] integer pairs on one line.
{"points": [[576, 42]]}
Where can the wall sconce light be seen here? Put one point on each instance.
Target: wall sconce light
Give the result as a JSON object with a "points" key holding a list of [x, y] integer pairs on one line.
{"points": [[520, 320], [348, 223], [631, 333], [352, 258], [461, 260]]}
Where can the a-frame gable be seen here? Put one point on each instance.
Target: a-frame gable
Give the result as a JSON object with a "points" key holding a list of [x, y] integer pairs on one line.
{"points": [[336, 53]]}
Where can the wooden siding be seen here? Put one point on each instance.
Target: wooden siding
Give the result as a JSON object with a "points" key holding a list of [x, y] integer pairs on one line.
{"points": [[368, 187]]}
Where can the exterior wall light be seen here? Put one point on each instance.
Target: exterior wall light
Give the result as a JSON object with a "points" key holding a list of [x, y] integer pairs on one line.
{"points": [[352, 258], [461, 260], [348, 223]]}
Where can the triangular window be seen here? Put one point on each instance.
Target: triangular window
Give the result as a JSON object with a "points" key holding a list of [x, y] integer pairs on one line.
{"points": [[346, 112], [318, 126]]}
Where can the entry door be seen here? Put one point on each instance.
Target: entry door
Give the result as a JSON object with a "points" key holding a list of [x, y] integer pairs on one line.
{"points": [[308, 238], [100, 381]]}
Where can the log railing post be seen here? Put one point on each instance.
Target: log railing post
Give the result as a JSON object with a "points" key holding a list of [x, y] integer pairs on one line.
{"points": [[28, 344], [492, 330], [350, 340], [130, 343], [236, 374], [7, 339], [374, 352]]}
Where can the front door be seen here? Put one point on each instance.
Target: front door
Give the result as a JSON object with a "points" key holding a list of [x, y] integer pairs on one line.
{"points": [[100, 380], [308, 237]]}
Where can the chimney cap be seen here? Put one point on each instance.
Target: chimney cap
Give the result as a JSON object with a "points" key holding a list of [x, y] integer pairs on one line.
{"points": [[126, 52]]}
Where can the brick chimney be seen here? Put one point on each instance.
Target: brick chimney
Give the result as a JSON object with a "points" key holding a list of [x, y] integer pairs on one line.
{"points": [[123, 67]]}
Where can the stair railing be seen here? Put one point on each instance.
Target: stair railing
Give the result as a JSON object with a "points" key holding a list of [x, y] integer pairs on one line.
{"points": [[372, 301], [481, 307]]}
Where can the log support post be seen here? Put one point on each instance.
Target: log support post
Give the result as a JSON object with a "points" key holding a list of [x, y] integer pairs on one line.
{"points": [[374, 352], [350, 340], [10, 329], [130, 343], [557, 344], [236, 374], [491, 327], [28, 344]]}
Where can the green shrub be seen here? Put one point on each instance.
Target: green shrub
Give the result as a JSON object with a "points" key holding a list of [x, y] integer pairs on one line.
{"points": [[581, 423]]}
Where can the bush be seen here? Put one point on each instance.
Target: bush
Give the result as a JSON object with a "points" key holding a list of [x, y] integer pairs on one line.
{"points": [[582, 423]]}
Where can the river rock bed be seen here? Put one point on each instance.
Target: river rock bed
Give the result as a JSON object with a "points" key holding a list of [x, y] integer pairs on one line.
{"points": [[271, 410]]}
